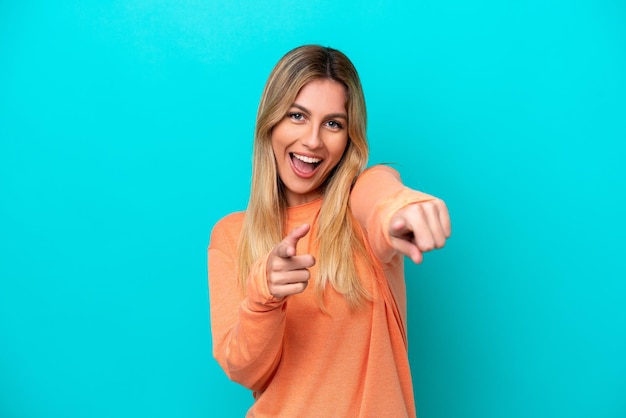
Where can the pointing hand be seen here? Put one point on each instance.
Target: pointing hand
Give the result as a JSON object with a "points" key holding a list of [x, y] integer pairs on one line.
{"points": [[287, 273], [420, 227]]}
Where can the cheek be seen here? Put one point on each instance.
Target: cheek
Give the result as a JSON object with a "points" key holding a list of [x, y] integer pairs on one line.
{"points": [[278, 139], [339, 148], [282, 137]]}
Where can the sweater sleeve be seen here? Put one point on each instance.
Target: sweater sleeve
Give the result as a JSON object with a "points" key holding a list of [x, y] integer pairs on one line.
{"points": [[248, 329], [377, 195]]}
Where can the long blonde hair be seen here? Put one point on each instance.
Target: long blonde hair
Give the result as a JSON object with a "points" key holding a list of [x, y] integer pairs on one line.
{"points": [[338, 235]]}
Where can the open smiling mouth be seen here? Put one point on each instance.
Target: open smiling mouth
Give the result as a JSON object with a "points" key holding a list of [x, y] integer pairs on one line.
{"points": [[304, 165]]}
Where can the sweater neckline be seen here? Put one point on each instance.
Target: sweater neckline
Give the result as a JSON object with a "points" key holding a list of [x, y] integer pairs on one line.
{"points": [[304, 213], [312, 204]]}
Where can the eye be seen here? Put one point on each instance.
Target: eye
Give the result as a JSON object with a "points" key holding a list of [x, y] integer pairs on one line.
{"points": [[296, 116], [334, 124]]}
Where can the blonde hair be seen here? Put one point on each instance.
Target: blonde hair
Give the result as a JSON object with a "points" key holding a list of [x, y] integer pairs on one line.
{"points": [[338, 235]]}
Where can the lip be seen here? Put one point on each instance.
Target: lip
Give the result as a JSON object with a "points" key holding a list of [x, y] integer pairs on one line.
{"points": [[300, 173]]}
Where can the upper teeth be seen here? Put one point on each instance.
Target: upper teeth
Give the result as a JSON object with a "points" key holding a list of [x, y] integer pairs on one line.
{"points": [[309, 160]]}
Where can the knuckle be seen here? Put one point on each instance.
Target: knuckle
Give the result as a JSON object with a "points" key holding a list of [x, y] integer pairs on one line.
{"points": [[272, 280], [273, 267], [273, 290], [430, 206], [427, 245]]}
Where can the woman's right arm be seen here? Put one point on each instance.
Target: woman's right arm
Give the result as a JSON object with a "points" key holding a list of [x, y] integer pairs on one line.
{"points": [[247, 330]]}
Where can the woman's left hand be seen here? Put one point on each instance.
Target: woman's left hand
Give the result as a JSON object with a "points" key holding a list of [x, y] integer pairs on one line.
{"points": [[420, 227]]}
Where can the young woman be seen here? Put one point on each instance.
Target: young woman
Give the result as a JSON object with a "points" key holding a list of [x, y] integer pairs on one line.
{"points": [[308, 303]]}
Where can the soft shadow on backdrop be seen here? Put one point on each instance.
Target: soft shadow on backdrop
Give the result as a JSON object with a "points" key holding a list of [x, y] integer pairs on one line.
{"points": [[125, 134]]}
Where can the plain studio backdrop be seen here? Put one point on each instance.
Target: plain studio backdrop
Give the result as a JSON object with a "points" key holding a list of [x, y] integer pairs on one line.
{"points": [[126, 133]]}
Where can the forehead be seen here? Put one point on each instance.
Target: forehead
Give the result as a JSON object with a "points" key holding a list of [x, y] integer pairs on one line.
{"points": [[323, 95]]}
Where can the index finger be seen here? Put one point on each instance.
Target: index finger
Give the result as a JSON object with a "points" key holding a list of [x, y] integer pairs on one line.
{"points": [[287, 247]]}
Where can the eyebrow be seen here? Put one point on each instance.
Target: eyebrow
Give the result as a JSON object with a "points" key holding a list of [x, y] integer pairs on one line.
{"points": [[329, 116]]}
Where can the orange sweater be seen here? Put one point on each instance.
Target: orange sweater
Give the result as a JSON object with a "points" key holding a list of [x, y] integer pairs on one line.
{"points": [[299, 361]]}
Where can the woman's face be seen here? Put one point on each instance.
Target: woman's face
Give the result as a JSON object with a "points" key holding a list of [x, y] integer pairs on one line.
{"points": [[310, 140]]}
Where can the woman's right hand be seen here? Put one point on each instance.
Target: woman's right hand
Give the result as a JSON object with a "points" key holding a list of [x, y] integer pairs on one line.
{"points": [[288, 273]]}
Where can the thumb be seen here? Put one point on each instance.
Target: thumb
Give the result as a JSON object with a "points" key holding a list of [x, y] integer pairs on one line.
{"points": [[287, 247], [400, 228]]}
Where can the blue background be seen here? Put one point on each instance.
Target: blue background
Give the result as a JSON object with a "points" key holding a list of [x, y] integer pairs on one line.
{"points": [[125, 134]]}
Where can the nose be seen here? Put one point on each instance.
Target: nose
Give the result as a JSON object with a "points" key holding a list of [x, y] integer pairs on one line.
{"points": [[312, 138]]}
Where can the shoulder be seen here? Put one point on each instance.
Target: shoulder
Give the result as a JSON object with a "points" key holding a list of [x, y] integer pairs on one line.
{"points": [[226, 231], [230, 220], [374, 181], [375, 172]]}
